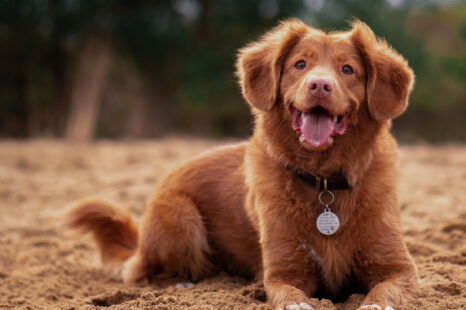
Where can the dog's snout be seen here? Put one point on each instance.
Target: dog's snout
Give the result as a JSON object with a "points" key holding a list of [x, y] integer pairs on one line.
{"points": [[320, 87]]}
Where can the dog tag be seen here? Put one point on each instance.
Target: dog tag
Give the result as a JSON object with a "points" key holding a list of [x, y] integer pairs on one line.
{"points": [[327, 222]]}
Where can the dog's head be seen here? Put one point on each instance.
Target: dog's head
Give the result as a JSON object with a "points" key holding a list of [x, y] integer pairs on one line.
{"points": [[323, 85]]}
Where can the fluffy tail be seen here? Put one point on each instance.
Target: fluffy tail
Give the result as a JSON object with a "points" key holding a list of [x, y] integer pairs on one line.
{"points": [[113, 229]]}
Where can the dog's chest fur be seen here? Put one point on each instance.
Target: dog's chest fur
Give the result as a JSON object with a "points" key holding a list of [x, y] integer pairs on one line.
{"points": [[333, 261], [331, 255]]}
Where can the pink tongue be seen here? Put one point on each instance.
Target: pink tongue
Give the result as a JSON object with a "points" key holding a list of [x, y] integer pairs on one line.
{"points": [[316, 128]]}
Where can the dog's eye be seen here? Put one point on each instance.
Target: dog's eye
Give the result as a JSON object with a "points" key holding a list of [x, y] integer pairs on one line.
{"points": [[300, 65], [347, 69]]}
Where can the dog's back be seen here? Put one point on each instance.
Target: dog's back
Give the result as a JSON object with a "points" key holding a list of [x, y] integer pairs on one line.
{"points": [[196, 223]]}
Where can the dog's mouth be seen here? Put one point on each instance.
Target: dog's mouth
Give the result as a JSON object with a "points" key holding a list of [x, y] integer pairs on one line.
{"points": [[318, 127]]}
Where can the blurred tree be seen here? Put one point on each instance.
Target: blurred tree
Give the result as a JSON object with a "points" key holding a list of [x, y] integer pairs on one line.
{"points": [[185, 48], [87, 84], [170, 64]]}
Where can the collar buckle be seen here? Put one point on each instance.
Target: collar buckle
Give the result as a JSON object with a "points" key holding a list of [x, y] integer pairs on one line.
{"points": [[338, 182]]}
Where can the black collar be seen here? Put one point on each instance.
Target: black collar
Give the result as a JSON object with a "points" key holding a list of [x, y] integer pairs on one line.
{"points": [[338, 182]]}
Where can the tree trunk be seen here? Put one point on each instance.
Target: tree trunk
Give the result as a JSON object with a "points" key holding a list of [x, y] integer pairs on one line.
{"points": [[91, 71]]}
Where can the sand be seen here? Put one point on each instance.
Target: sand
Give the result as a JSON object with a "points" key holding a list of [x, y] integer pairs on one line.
{"points": [[42, 267]]}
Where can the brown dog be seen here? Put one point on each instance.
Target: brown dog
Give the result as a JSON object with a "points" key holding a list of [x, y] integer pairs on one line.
{"points": [[309, 204]]}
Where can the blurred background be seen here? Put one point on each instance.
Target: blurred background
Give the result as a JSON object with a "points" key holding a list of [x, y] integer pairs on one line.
{"points": [[87, 69]]}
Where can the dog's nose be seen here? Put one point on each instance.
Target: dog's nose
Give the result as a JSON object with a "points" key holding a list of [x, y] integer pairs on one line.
{"points": [[320, 87]]}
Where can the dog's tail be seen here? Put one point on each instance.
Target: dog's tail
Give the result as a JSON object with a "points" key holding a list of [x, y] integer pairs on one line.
{"points": [[114, 232]]}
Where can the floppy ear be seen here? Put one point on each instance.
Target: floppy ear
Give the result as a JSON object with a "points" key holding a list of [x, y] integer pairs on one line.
{"points": [[389, 78], [259, 64]]}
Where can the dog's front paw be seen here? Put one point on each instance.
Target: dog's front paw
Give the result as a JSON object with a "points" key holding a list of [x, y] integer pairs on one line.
{"points": [[295, 306], [375, 307]]}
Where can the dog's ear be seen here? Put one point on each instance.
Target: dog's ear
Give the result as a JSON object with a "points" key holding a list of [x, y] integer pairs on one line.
{"points": [[389, 78], [260, 63]]}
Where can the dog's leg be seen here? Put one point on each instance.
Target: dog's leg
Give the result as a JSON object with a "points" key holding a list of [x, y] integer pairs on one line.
{"points": [[388, 271], [135, 269], [283, 296], [173, 241], [395, 290], [289, 274]]}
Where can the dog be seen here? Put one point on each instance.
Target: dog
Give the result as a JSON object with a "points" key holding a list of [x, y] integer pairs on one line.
{"points": [[308, 204]]}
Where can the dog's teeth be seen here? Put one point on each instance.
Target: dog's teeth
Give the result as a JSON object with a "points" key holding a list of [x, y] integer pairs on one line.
{"points": [[302, 139], [330, 140]]}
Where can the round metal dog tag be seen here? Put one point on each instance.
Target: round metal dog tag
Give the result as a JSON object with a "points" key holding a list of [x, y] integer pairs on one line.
{"points": [[327, 222]]}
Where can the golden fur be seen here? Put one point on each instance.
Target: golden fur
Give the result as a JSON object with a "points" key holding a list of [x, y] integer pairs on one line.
{"points": [[240, 209]]}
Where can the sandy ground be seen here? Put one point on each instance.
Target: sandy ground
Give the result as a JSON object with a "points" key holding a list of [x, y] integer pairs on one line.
{"points": [[41, 267]]}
